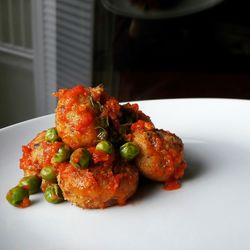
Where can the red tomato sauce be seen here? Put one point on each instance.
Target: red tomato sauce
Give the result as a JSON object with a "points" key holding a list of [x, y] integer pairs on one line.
{"points": [[26, 159], [71, 93], [141, 124], [25, 203], [100, 156], [112, 108], [71, 97], [172, 185], [86, 119]]}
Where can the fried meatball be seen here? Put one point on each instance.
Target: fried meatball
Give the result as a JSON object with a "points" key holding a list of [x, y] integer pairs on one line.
{"points": [[38, 154], [98, 186], [161, 154], [76, 115]]}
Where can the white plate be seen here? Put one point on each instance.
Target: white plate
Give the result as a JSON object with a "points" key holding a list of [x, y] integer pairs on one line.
{"points": [[210, 211], [181, 8]]}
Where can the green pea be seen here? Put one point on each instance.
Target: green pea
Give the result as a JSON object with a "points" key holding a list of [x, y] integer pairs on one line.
{"points": [[31, 183], [49, 174], [63, 154], [129, 151], [105, 146], [80, 158], [53, 194], [51, 135], [16, 195]]}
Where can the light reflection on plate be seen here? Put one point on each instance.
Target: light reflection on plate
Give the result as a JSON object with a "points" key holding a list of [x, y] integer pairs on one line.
{"points": [[210, 211]]}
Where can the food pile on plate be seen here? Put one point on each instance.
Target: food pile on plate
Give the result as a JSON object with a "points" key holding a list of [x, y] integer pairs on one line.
{"points": [[96, 153]]}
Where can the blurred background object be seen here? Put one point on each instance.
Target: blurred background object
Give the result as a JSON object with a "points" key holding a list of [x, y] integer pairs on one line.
{"points": [[44, 45], [190, 48], [158, 9], [16, 55]]}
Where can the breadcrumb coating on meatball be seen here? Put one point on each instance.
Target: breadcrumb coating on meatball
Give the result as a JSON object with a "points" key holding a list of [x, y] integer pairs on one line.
{"points": [[76, 115], [161, 155], [99, 186]]}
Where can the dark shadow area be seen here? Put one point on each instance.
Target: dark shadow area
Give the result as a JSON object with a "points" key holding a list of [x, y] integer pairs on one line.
{"points": [[195, 167], [204, 54], [145, 189], [36, 199]]}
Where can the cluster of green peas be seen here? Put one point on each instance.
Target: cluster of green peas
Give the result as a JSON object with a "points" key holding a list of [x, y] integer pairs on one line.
{"points": [[31, 184], [128, 151]]}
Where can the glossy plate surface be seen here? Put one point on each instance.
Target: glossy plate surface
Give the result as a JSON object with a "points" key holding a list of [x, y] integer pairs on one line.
{"points": [[181, 8], [210, 211]]}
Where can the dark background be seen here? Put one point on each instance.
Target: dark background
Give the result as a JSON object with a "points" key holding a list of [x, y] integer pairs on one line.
{"points": [[201, 55]]}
